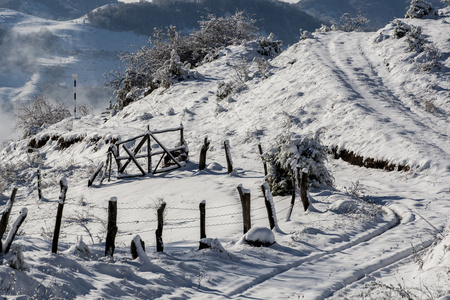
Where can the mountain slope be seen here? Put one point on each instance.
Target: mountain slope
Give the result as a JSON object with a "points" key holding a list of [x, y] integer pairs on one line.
{"points": [[366, 237], [378, 12], [55, 10]]}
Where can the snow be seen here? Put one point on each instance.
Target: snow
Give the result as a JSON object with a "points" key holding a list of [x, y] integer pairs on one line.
{"points": [[386, 235]]}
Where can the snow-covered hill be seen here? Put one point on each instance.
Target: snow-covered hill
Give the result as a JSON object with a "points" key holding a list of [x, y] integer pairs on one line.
{"points": [[39, 56], [375, 234], [55, 9], [378, 12]]}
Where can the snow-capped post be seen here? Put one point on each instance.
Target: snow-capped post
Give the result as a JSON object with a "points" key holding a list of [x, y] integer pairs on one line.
{"points": [[268, 200], [202, 161], [244, 194], [39, 186], [62, 197], [112, 227], [14, 228], [75, 78], [202, 207], [226, 145], [261, 154], [159, 230], [137, 247], [5, 215], [181, 135], [303, 188], [7, 212]]}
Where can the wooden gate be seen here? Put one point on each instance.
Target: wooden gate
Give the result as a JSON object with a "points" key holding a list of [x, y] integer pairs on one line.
{"points": [[141, 156]]}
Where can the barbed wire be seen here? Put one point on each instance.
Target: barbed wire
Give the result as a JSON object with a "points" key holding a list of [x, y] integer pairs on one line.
{"points": [[222, 206], [224, 215]]}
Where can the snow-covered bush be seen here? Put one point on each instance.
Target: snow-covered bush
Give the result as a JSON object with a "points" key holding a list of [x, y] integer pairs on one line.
{"points": [[420, 9], [32, 117], [169, 56], [173, 69], [304, 34], [428, 59], [352, 23], [290, 151], [413, 34], [269, 47]]}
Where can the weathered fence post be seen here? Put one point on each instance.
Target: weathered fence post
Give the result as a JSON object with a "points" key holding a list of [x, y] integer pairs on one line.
{"points": [[261, 154], [303, 188], [159, 230], [294, 191], [62, 198], [244, 194], [137, 247], [112, 227], [14, 228], [181, 134], [202, 207], [39, 185], [97, 171], [6, 213], [226, 145], [205, 147], [268, 200]]}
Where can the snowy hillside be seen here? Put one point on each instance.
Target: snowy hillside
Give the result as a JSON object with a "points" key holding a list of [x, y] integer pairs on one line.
{"points": [[378, 12], [376, 99], [55, 9], [40, 56]]}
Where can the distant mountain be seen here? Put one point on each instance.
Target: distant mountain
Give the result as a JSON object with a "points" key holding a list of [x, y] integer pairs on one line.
{"points": [[55, 9], [379, 12], [283, 19]]}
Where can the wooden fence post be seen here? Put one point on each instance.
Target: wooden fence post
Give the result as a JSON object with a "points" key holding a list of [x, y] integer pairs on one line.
{"points": [[295, 174], [14, 228], [202, 207], [6, 213], [112, 227], [265, 164], [303, 188], [268, 200], [137, 246], [39, 185], [159, 230], [202, 161], [226, 145], [244, 194], [181, 135], [62, 198]]}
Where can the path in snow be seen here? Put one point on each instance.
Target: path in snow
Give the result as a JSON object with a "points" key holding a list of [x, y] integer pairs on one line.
{"points": [[375, 100]]}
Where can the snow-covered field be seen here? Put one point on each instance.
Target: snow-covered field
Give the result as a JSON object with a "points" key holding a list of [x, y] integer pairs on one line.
{"points": [[374, 235]]}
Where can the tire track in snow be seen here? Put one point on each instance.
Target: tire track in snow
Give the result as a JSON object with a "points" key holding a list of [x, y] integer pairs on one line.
{"points": [[349, 264], [393, 221], [360, 76]]}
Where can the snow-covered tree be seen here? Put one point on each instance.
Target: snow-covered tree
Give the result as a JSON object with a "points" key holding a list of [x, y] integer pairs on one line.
{"points": [[40, 111], [169, 55], [291, 151], [420, 9]]}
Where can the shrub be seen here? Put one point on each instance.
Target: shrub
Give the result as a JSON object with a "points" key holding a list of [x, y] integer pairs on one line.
{"points": [[352, 23], [269, 47], [38, 113], [419, 9], [169, 56], [290, 151]]}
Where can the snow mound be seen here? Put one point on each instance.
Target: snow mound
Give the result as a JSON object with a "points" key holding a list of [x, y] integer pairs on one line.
{"points": [[343, 206], [260, 237]]}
